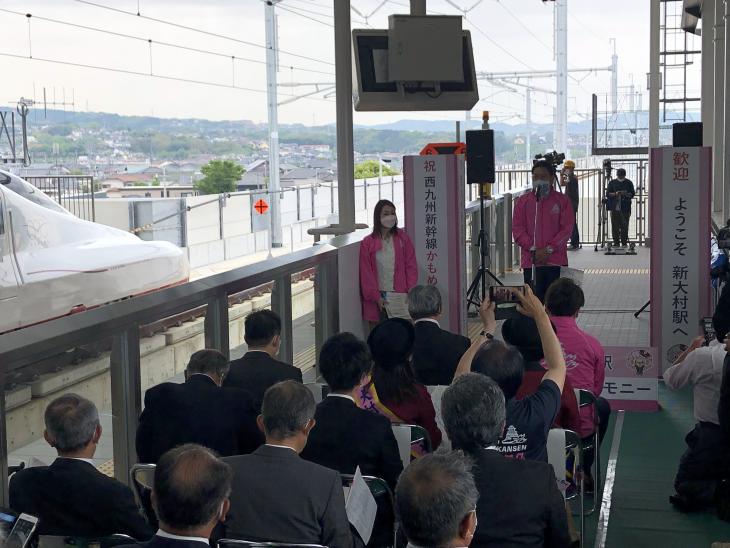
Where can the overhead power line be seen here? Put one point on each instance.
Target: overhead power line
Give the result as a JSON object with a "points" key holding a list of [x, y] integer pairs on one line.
{"points": [[151, 75], [304, 15], [155, 42], [200, 31]]}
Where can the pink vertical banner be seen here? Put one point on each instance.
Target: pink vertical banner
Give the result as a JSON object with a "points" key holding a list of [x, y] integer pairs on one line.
{"points": [[680, 247], [433, 195]]}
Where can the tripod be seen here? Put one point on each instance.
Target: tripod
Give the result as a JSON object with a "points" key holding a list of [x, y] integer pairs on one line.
{"points": [[478, 288]]}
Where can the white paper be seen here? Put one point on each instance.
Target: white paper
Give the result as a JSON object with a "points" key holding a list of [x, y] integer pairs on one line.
{"points": [[403, 438], [361, 507], [556, 457], [396, 305]]}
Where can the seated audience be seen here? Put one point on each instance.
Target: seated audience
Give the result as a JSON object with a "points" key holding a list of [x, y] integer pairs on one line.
{"points": [[190, 496], [436, 498], [393, 390], [259, 369], [71, 497], [584, 358], [278, 496], [519, 501], [521, 332], [436, 352], [528, 419], [198, 411], [703, 465], [346, 436]]}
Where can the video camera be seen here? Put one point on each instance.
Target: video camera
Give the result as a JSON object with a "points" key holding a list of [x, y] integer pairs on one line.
{"points": [[553, 158]]}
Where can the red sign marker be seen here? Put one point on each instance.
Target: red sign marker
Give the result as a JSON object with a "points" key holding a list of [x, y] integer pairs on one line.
{"points": [[261, 206]]}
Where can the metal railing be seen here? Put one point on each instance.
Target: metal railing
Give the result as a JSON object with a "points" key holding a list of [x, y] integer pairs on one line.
{"points": [[122, 321], [73, 192]]}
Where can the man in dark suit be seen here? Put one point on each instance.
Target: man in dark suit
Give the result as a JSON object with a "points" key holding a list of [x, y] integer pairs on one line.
{"points": [[198, 411], [278, 496], [190, 495], [258, 368], [436, 352], [346, 436], [71, 497], [519, 501]]}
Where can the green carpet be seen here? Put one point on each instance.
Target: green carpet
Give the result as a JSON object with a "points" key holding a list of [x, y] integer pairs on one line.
{"points": [[651, 444]]}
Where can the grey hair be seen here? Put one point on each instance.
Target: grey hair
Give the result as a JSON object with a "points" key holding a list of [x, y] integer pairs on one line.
{"points": [[424, 301], [71, 422], [209, 362], [474, 411], [433, 496], [286, 409]]}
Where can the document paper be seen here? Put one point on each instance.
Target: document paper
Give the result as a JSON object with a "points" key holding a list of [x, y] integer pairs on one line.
{"points": [[361, 507], [396, 305]]}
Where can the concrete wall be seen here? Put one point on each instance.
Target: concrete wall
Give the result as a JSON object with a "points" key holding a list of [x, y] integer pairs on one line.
{"points": [[163, 356]]}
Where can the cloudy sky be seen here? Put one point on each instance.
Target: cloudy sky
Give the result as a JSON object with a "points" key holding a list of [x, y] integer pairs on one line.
{"points": [[523, 29]]}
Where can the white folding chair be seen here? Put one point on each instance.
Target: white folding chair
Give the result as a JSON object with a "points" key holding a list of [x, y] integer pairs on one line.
{"points": [[559, 443], [587, 399], [408, 434]]}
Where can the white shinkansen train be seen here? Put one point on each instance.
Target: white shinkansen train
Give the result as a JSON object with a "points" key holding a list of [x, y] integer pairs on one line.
{"points": [[52, 263]]}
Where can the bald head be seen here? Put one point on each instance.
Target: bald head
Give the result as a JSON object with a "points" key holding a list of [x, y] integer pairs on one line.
{"points": [[190, 489]]}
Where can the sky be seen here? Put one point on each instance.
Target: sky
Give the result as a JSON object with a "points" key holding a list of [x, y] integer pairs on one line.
{"points": [[523, 29]]}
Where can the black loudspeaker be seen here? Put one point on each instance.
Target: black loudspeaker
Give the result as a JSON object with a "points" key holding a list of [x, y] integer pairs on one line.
{"points": [[480, 156], [687, 134]]}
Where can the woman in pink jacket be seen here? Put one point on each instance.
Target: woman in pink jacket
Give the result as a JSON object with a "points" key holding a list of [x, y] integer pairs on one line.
{"points": [[584, 359], [388, 266]]}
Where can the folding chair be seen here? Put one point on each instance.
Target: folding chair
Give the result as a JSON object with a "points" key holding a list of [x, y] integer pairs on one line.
{"points": [[436, 392], [232, 543], [319, 390], [386, 516], [54, 541], [142, 477], [408, 436], [586, 398], [559, 443]]}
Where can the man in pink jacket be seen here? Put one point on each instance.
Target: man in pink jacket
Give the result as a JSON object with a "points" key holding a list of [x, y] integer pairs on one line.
{"points": [[542, 223]]}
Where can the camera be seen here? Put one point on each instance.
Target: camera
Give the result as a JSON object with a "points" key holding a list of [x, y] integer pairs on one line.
{"points": [[553, 157]]}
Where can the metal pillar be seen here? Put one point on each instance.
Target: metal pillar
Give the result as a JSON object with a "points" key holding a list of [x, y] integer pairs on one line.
{"points": [[418, 7], [126, 388], [718, 141], [561, 76], [216, 324], [654, 78], [281, 304], [271, 97], [614, 79], [726, 117], [528, 126], [343, 87]]}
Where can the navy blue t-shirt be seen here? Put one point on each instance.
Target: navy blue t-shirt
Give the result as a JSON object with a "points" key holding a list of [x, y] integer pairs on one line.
{"points": [[528, 423]]}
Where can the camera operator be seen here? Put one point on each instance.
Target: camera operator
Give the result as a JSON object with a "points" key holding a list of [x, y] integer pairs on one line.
{"points": [[620, 192], [542, 222], [570, 182]]}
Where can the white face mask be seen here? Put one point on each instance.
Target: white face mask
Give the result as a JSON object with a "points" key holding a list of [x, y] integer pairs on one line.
{"points": [[389, 221], [541, 186]]}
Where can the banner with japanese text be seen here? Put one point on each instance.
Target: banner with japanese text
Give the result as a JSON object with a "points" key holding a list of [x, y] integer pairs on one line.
{"points": [[680, 247], [632, 378], [434, 210]]}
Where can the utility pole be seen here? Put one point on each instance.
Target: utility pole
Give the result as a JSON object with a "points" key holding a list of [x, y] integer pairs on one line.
{"points": [[561, 77], [614, 79], [528, 125], [654, 78], [271, 97]]}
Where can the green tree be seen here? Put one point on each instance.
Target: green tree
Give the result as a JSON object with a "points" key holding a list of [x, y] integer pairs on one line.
{"points": [[369, 168], [219, 176]]}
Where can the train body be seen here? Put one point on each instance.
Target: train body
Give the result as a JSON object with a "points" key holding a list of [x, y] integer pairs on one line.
{"points": [[53, 264]]}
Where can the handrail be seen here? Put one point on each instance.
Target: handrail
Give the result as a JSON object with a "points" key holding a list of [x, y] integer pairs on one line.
{"points": [[28, 345]]}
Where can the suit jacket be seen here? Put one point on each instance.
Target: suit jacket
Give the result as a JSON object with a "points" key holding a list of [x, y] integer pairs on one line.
{"points": [[197, 411], [346, 437], [278, 496], [519, 503], [436, 353], [72, 498], [162, 542], [256, 371]]}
